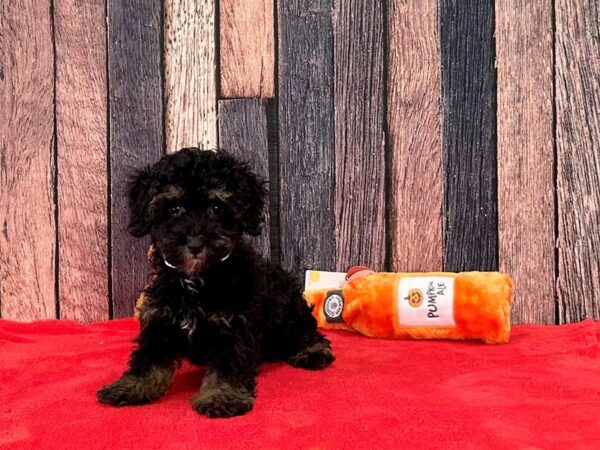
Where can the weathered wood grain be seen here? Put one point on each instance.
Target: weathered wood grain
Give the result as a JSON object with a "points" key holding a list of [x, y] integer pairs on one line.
{"points": [[414, 129], [27, 215], [578, 150], [469, 135], [136, 137], [526, 155], [360, 227], [81, 125], [246, 48], [243, 133], [273, 144], [190, 74], [306, 134]]}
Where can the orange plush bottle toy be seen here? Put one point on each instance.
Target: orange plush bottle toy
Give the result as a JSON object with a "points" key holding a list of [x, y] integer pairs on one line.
{"points": [[435, 305]]}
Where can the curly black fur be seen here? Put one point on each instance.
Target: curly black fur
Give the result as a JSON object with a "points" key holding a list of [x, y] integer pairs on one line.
{"points": [[213, 299]]}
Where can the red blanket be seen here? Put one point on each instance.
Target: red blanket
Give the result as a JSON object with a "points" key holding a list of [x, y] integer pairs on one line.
{"points": [[541, 390]]}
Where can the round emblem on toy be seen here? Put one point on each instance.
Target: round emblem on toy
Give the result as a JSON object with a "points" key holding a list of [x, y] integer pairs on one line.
{"points": [[334, 306], [415, 298]]}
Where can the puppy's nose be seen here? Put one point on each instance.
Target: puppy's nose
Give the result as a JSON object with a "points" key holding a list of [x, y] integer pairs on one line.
{"points": [[195, 244]]}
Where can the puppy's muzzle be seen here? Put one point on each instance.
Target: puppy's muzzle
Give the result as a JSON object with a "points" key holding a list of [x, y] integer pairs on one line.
{"points": [[195, 244]]}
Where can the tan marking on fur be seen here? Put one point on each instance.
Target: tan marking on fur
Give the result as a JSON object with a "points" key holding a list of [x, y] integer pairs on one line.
{"points": [[219, 194], [170, 192], [139, 304], [142, 297]]}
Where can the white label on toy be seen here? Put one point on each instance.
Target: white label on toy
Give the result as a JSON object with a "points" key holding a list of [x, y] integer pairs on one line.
{"points": [[424, 301], [316, 279]]}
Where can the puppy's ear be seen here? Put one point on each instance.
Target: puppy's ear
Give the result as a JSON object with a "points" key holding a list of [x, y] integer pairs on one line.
{"points": [[141, 191]]}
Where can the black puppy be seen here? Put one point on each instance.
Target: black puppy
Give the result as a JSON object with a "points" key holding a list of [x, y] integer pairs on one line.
{"points": [[213, 299]]}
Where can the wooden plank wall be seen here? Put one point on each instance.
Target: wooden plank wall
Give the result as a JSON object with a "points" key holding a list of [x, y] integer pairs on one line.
{"points": [[578, 157], [360, 224], [406, 135], [80, 43], [27, 161], [247, 53], [526, 155], [136, 132], [306, 133], [190, 74], [469, 135], [415, 146]]}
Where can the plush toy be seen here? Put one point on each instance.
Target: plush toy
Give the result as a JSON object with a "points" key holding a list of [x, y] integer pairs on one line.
{"points": [[436, 305]]}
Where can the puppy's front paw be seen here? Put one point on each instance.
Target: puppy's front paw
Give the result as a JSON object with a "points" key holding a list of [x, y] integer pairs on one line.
{"points": [[315, 357], [223, 402], [127, 390]]}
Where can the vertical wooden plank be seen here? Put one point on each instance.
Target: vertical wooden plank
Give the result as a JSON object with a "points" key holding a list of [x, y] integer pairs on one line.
{"points": [[81, 124], [243, 132], [273, 145], [414, 136], [469, 135], [526, 155], [578, 150], [359, 140], [190, 83], [136, 137], [27, 222], [306, 134], [247, 50]]}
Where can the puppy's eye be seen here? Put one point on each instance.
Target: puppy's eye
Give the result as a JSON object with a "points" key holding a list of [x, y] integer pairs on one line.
{"points": [[176, 210], [215, 209]]}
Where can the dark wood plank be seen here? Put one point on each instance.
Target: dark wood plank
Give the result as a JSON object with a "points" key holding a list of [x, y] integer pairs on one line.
{"points": [[306, 134], [578, 147], [243, 133], [27, 222], [526, 155], [469, 135], [136, 137], [359, 139], [190, 74], [414, 128], [81, 109], [246, 48], [273, 144]]}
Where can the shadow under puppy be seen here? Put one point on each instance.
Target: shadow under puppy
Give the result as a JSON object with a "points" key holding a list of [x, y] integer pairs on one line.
{"points": [[213, 299]]}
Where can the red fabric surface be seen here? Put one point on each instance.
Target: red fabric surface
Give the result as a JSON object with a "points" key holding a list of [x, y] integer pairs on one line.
{"points": [[540, 391]]}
